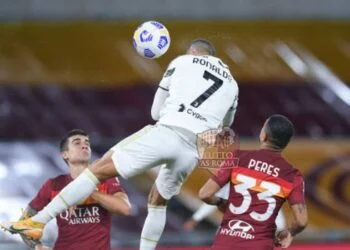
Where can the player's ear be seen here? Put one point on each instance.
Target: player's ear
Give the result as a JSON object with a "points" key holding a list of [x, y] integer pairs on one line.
{"points": [[263, 135], [64, 155]]}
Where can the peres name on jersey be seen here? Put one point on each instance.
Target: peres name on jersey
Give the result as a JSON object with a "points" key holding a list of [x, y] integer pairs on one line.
{"points": [[263, 167], [219, 71]]}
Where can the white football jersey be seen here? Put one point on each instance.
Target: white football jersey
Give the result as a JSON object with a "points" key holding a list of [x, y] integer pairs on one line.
{"points": [[201, 91]]}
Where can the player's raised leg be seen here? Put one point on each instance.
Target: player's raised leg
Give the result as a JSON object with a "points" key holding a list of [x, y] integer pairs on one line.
{"points": [[79, 189], [74, 193], [131, 156]]}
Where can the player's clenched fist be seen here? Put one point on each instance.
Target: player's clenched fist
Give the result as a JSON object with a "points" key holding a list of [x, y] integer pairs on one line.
{"points": [[284, 238]]}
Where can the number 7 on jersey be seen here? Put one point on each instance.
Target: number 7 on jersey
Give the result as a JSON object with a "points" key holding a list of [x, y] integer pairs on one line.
{"points": [[211, 90]]}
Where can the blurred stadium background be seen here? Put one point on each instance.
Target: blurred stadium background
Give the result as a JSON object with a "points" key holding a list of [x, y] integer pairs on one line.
{"points": [[70, 64]]}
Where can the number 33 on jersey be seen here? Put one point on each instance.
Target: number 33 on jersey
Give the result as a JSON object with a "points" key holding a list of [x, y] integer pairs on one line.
{"points": [[201, 91], [266, 190]]}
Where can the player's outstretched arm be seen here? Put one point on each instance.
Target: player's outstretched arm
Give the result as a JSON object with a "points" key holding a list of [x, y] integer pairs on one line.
{"points": [[203, 211], [207, 194], [115, 203], [285, 237], [208, 191]]}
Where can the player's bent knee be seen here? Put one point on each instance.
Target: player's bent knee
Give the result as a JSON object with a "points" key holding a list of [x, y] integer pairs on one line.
{"points": [[104, 169], [96, 172], [108, 154], [155, 198]]}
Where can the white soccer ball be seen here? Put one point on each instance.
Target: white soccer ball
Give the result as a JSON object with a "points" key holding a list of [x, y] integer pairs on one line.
{"points": [[151, 39]]}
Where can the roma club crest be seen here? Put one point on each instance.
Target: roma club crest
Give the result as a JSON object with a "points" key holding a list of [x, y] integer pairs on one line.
{"points": [[217, 148]]}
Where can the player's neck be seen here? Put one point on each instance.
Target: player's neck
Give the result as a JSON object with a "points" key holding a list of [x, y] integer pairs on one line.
{"points": [[77, 169], [270, 147]]}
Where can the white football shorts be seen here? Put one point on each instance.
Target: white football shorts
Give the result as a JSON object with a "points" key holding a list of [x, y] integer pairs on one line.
{"points": [[153, 146]]}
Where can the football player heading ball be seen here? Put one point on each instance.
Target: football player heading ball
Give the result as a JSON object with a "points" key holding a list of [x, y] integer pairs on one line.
{"points": [[197, 93]]}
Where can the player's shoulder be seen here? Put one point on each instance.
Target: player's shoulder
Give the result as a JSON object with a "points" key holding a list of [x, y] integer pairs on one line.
{"points": [[297, 174], [178, 62], [216, 60], [180, 59], [60, 180], [290, 166], [288, 170]]}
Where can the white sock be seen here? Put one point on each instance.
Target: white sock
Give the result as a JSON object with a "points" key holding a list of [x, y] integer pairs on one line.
{"points": [[153, 227], [74, 193]]}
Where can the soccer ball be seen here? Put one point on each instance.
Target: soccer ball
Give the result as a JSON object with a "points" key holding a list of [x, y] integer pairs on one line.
{"points": [[151, 39]]}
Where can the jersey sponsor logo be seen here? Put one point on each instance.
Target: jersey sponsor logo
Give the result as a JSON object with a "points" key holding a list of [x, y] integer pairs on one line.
{"points": [[238, 228], [191, 112], [216, 148], [196, 115], [82, 215]]}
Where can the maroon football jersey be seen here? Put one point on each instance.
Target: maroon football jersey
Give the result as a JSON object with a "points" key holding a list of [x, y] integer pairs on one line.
{"points": [[259, 185], [85, 227]]}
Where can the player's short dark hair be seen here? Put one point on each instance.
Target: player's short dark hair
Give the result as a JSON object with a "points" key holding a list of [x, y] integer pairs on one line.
{"points": [[64, 140], [279, 130], [203, 45]]}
